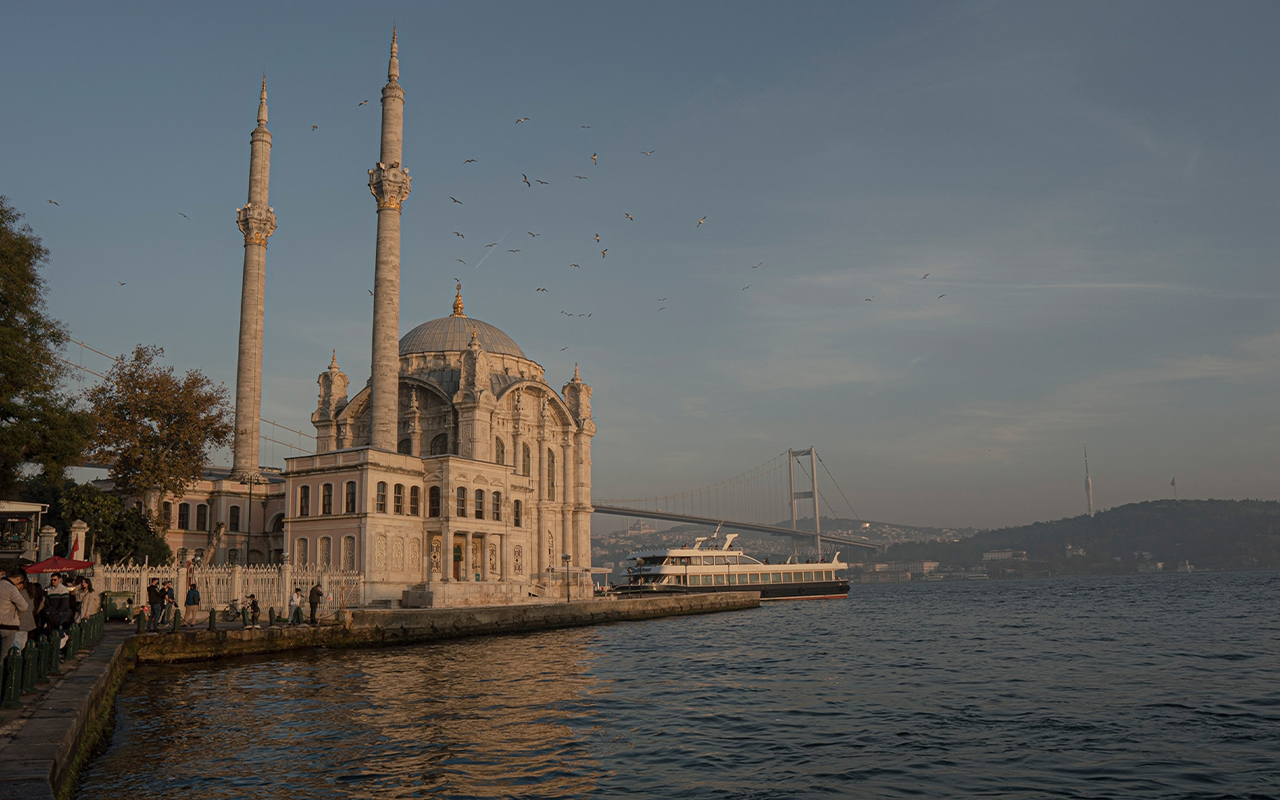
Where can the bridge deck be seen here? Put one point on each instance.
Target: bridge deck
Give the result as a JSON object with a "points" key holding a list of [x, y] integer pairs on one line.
{"points": [[620, 511]]}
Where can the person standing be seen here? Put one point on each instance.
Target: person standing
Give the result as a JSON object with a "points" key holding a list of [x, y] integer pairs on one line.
{"points": [[313, 599], [295, 606], [13, 601], [170, 603], [254, 610], [155, 604], [89, 600], [191, 607], [27, 619]]}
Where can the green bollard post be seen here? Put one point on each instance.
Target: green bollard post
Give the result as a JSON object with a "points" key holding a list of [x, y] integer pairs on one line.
{"points": [[29, 658], [213, 619], [10, 683], [177, 620], [244, 616], [271, 617], [42, 659], [140, 617]]}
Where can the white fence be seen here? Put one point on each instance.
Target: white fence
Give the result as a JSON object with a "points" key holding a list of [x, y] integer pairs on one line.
{"points": [[218, 585]]}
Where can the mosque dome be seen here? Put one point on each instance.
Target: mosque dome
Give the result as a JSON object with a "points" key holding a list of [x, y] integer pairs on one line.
{"points": [[453, 333]]}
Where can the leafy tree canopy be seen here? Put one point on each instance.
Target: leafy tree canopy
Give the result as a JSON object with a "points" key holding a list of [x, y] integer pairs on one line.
{"points": [[117, 532], [38, 423], [155, 429]]}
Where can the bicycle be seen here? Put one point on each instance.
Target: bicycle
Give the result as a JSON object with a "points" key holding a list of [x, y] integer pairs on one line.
{"points": [[231, 611]]}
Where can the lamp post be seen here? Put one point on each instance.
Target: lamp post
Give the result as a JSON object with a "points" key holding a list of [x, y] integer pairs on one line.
{"points": [[565, 557], [249, 479]]}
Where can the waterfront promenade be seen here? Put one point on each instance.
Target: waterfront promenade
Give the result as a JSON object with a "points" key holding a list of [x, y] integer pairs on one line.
{"points": [[44, 747]]}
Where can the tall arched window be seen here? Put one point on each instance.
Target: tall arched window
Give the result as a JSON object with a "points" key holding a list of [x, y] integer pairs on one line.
{"points": [[499, 451], [184, 516], [440, 445], [462, 501], [326, 499], [433, 501], [397, 499], [525, 461], [202, 517], [300, 552], [516, 507], [304, 501], [415, 500], [551, 474], [497, 507], [233, 519], [382, 497], [479, 503], [351, 497]]}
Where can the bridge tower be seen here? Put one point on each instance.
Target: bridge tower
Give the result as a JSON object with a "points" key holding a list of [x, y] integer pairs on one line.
{"points": [[792, 455]]}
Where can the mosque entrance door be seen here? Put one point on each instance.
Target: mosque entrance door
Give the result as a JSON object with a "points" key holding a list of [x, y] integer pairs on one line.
{"points": [[457, 562]]}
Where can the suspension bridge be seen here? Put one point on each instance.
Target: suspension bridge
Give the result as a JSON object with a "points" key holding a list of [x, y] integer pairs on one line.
{"points": [[751, 501]]}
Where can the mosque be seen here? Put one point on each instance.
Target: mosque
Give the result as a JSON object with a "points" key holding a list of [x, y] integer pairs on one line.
{"points": [[457, 476]]}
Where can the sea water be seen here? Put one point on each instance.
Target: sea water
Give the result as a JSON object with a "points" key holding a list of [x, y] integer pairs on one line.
{"points": [[1147, 686]]}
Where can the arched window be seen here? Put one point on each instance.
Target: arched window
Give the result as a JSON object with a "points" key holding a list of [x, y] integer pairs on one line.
{"points": [[304, 501], [415, 499], [440, 445], [551, 474], [326, 499], [433, 501], [515, 513], [233, 519], [324, 558], [405, 447], [168, 515], [184, 516], [300, 552], [497, 507], [499, 451], [479, 503], [462, 501], [525, 461], [397, 499], [233, 556], [277, 524], [351, 497], [348, 552], [202, 517], [382, 497]]}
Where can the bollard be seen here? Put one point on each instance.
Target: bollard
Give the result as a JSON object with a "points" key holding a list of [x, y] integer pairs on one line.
{"points": [[10, 686], [244, 616], [29, 658], [72, 642], [177, 619], [42, 659], [213, 619], [271, 617]]}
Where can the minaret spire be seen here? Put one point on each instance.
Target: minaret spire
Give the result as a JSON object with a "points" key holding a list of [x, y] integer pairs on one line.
{"points": [[257, 221], [389, 183]]}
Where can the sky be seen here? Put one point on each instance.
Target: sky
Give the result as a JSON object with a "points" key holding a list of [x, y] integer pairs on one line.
{"points": [[1092, 186]]}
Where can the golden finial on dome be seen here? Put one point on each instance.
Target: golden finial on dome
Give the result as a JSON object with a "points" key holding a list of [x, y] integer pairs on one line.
{"points": [[457, 303]]}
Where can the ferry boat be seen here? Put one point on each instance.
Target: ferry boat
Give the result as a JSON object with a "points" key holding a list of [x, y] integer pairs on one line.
{"points": [[700, 569]]}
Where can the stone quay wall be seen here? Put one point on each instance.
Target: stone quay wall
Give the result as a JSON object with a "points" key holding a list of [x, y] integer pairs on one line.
{"points": [[45, 756]]}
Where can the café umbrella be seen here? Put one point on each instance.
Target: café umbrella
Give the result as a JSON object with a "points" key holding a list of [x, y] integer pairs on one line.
{"points": [[57, 564]]}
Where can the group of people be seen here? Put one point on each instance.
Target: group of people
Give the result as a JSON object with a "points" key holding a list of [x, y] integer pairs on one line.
{"points": [[161, 602], [28, 609], [312, 599]]}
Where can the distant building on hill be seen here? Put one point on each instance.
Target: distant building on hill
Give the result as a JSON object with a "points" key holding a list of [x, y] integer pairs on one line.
{"points": [[1004, 555]]}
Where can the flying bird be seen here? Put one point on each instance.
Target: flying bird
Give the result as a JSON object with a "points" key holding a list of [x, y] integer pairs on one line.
{"points": [[580, 177], [522, 119], [699, 225], [544, 183], [748, 286], [55, 202], [456, 200], [869, 298], [758, 266], [925, 276], [541, 289], [460, 261], [469, 161], [593, 158], [562, 349], [120, 282], [531, 233], [628, 216], [184, 216], [362, 103], [460, 236], [314, 127], [944, 294], [513, 251], [575, 265], [491, 244], [586, 126], [371, 293], [597, 238], [646, 152], [664, 308], [525, 178], [662, 299], [604, 252]]}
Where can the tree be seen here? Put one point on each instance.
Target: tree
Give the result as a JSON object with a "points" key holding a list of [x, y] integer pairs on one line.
{"points": [[38, 423], [117, 532], [156, 430]]}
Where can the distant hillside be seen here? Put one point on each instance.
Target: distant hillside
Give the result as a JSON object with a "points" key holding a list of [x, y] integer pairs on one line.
{"points": [[1211, 534]]}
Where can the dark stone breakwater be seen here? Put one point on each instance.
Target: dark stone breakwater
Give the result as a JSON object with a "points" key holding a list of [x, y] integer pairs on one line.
{"points": [[45, 756]]}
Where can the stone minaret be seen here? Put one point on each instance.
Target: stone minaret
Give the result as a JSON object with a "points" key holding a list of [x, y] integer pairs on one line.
{"points": [[257, 222], [389, 183]]}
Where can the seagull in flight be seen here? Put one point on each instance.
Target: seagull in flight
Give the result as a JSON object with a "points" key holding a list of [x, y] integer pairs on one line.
{"points": [[586, 126], [869, 298], [541, 289], [469, 161], [456, 200], [604, 252], [580, 177], [699, 225], [460, 261], [593, 158], [925, 276], [531, 233], [371, 293], [492, 244], [120, 282], [646, 152], [513, 251], [758, 266], [522, 119], [575, 265], [662, 299], [544, 183], [184, 216], [525, 178], [748, 286], [55, 202], [315, 127], [562, 349], [362, 103], [944, 294], [597, 238], [460, 236], [664, 308], [628, 216]]}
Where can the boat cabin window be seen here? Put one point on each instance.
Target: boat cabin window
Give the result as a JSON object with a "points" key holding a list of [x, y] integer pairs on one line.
{"points": [[777, 577], [808, 576], [731, 559], [755, 577], [720, 559], [683, 561], [827, 575], [719, 580], [786, 577]]}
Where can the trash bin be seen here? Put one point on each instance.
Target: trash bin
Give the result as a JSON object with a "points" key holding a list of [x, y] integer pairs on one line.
{"points": [[116, 604]]}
